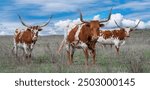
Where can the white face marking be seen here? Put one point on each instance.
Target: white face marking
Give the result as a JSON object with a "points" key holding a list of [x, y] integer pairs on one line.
{"points": [[34, 34], [127, 31]]}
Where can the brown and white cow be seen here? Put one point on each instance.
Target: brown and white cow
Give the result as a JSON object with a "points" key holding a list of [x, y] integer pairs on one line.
{"points": [[115, 37], [83, 36], [27, 38]]}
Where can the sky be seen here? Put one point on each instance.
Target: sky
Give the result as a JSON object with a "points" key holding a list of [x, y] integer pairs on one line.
{"points": [[35, 12]]}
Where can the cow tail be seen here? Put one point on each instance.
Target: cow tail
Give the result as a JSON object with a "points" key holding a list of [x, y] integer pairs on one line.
{"points": [[61, 46], [64, 40]]}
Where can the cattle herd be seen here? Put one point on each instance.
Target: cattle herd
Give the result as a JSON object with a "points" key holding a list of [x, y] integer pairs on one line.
{"points": [[82, 36]]}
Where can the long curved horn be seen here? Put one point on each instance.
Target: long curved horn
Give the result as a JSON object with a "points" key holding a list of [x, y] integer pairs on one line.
{"points": [[117, 24], [47, 22], [137, 24], [81, 18], [108, 17], [22, 21]]}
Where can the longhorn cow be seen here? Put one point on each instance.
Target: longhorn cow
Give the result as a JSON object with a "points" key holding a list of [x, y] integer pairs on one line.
{"points": [[27, 38], [115, 37], [83, 36]]}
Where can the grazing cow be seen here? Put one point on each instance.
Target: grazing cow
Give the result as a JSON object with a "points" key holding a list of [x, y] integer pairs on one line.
{"points": [[26, 38], [83, 36], [115, 37]]}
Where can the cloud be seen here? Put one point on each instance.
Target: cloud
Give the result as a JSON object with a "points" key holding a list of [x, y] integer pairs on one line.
{"points": [[127, 13], [3, 33], [65, 23], [147, 24], [59, 27], [8, 28], [97, 17], [128, 23], [122, 21], [119, 18]]}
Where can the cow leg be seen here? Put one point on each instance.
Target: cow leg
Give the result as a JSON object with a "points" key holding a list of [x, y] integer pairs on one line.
{"points": [[71, 54], [117, 49], [68, 54], [15, 49], [30, 49], [86, 55], [93, 56], [61, 46], [25, 50], [117, 46], [111, 45]]}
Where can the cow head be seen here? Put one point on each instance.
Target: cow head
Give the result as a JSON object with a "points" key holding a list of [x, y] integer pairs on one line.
{"points": [[94, 25], [127, 29], [34, 29]]}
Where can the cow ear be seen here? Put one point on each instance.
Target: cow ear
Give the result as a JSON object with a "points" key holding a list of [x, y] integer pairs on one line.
{"points": [[29, 29], [101, 25], [40, 29], [123, 29], [132, 30]]}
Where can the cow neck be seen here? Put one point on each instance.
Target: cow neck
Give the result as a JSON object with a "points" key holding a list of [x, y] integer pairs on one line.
{"points": [[84, 34]]}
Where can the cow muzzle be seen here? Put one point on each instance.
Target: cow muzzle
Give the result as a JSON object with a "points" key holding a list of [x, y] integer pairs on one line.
{"points": [[94, 38], [34, 38]]}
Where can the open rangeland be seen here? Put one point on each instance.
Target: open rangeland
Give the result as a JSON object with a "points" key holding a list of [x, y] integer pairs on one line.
{"points": [[134, 57]]}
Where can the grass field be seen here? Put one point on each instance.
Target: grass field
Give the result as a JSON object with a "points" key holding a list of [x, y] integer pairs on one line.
{"points": [[134, 57]]}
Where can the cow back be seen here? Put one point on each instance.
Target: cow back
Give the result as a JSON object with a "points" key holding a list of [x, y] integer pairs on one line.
{"points": [[120, 34]]}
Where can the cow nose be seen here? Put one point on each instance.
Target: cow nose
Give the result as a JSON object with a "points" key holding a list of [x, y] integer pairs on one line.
{"points": [[34, 38], [94, 37]]}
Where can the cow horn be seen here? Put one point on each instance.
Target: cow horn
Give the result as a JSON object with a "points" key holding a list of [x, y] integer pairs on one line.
{"points": [[137, 24], [108, 17], [22, 21], [117, 24], [47, 22], [81, 18]]}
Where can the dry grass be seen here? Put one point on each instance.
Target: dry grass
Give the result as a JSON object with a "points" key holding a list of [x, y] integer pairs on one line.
{"points": [[134, 57]]}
